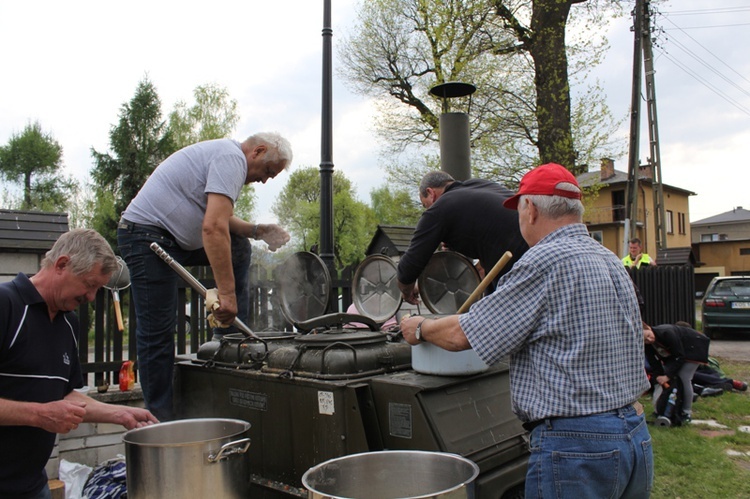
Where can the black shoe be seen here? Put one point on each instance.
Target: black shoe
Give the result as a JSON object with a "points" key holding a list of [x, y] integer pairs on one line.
{"points": [[711, 392]]}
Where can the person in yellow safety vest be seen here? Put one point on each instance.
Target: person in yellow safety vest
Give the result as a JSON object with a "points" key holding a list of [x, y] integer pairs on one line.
{"points": [[635, 257]]}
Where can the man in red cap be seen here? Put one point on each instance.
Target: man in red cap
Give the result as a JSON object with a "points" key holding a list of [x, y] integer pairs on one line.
{"points": [[567, 314]]}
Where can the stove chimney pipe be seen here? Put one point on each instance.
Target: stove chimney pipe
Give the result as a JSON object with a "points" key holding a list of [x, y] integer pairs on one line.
{"points": [[455, 139]]}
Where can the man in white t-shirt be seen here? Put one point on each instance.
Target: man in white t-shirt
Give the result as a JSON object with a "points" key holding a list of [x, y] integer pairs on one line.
{"points": [[187, 207]]}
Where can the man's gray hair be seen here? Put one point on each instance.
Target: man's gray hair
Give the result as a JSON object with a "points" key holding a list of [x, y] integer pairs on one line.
{"points": [[434, 180], [85, 248], [555, 207], [279, 148]]}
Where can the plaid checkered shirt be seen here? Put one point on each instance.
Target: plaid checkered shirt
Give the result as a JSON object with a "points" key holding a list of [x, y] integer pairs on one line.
{"points": [[567, 314]]}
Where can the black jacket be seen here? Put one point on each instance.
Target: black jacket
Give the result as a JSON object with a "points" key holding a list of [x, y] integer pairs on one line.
{"points": [[674, 346], [469, 218]]}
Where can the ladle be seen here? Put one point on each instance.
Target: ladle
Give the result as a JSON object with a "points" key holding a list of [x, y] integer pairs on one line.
{"points": [[120, 279]]}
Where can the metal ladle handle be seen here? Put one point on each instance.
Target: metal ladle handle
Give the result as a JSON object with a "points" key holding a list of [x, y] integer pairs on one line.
{"points": [[196, 285]]}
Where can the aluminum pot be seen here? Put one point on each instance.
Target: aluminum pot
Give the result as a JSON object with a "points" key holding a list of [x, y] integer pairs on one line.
{"points": [[392, 475], [188, 458], [427, 358]]}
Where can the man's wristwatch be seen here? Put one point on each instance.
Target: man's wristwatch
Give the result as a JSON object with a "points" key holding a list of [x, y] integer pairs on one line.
{"points": [[418, 332]]}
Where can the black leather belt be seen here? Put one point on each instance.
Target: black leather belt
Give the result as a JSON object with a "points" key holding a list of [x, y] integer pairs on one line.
{"points": [[530, 425], [130, 226]]}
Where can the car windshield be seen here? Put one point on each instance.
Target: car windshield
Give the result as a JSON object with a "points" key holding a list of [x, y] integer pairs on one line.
{"points": [[733, 287]]}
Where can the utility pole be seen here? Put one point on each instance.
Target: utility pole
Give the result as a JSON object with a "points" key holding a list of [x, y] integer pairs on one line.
{"points": [[653, 134], [643, 55], [631, 209]]}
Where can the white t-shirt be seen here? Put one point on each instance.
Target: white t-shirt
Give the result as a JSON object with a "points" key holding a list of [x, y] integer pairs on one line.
{"points": [[175, 195]]}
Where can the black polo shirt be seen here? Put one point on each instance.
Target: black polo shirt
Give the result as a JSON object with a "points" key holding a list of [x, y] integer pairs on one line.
{"points": [[38, 363]]}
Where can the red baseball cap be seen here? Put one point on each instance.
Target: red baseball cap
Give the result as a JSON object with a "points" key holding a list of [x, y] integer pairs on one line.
{"points": [[543, 180]]}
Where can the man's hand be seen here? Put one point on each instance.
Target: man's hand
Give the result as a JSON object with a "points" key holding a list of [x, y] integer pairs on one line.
{"points": [[409, 292], [61, 416], [227, 310], [134, 417], [409, 327], [273, 235]]}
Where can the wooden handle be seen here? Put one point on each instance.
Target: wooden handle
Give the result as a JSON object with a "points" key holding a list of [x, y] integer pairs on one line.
{"points": [[486, 282], [118, 312]]}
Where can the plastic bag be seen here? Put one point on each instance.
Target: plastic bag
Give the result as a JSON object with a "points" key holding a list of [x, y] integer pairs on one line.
{"points": [[74, 476], [108, 481]]}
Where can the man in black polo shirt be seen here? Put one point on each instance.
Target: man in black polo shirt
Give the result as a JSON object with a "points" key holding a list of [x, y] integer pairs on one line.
{"points": [[466, 216], [39, 367]]}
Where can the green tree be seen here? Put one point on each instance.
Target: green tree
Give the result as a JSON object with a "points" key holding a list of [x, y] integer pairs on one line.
{"points": [[33, 160], [298, 210], [514, 52], [395, 206], [139, 142], [212, 116]]}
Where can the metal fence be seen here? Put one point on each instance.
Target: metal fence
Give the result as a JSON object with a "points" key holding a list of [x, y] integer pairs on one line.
{"points": [[103, 348], [668, 293]]}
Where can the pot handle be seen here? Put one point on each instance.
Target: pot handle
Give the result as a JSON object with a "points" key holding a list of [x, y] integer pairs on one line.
{"points": [[236, 447]]}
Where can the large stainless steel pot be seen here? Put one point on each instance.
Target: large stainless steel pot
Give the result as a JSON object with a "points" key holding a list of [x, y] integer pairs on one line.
{"points": [[188, 458], [392, 475]]}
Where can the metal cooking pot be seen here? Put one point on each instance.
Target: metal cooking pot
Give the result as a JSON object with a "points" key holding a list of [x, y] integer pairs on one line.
{"points": [[392, 475], [427, 358], [188, 458]]}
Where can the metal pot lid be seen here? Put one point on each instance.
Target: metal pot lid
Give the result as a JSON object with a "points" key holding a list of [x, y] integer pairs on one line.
{"points": [[447, 281], [304, 286], [375, 288]]}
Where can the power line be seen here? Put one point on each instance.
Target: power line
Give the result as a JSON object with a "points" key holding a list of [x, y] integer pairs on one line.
{"points": [[696, 57]]}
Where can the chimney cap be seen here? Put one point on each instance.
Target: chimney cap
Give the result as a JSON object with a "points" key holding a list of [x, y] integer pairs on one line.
{"points": [[453, 89]]}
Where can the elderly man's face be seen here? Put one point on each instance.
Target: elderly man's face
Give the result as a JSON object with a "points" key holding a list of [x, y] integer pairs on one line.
{"points": [[77, 289]]}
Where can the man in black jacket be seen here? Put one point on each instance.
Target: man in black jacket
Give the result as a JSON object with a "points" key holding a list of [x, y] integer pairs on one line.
{"points": [[675, 351], [465, 216]]}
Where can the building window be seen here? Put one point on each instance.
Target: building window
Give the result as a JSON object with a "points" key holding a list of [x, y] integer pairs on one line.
{"points": [[598, 236], [681, 225], [709, 237], [670, 222], [745, 251]]}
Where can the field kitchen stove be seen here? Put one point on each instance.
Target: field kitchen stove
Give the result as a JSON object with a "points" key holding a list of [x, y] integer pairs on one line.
{"points": [[342, 386]]}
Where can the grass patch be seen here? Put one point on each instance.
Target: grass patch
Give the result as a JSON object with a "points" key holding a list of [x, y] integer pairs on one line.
{"points": [[692, 461]]}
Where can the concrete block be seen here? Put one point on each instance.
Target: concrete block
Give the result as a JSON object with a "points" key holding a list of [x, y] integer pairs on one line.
{"points": [[110, 452], [53, 467], [82, 456], [70, 444], [102, 440]]}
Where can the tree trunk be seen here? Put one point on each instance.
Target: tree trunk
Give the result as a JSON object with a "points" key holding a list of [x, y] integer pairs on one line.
{"points": [[555, 141]]}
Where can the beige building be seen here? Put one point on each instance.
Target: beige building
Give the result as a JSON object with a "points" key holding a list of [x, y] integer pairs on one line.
{"points": [[721, 244], [605, 212]]}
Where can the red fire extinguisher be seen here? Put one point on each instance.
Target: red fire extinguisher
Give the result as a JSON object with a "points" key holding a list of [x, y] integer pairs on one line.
{"points": [[127, 376]]}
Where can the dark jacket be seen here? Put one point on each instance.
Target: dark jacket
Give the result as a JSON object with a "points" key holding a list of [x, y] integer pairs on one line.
{"points": [[674, 346], [469, 218]]}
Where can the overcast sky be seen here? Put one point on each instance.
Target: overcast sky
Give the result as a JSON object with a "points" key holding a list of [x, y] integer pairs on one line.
{"points": [[71, 66]]}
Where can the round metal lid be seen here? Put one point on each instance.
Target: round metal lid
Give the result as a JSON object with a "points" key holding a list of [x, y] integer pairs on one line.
{"points": [[447, 281], [305, 287], [375, 288]]}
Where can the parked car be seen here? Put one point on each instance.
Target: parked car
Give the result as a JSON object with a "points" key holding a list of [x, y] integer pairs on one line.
{"points": [[726, 305]]}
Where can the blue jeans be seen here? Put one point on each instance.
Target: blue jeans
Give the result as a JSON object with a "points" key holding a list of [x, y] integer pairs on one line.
{"points": [[45, 493], [597, 456], [154, 292]]}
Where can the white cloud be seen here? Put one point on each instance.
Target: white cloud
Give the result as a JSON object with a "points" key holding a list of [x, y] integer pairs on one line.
{"points": [[71, 65]]}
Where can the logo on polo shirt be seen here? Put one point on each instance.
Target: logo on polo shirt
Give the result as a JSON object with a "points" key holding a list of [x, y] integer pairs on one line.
{"points": [[66, 359]]}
